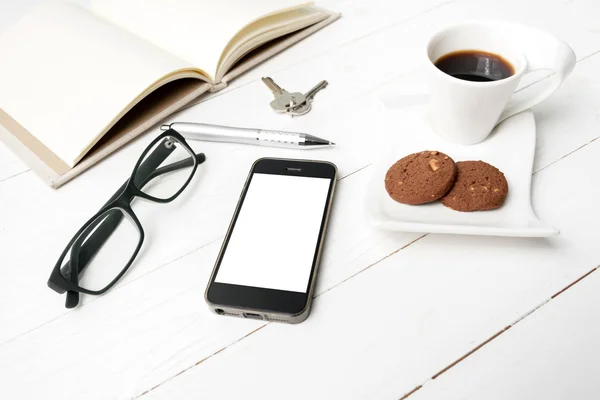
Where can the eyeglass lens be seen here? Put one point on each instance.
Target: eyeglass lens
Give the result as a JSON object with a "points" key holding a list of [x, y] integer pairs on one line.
{"points": [[100, 263]]}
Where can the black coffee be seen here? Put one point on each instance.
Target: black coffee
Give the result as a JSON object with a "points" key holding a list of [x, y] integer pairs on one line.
{"points": [[475, 65]]}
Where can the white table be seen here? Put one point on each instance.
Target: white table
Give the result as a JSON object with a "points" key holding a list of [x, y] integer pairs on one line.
{"points": [[396, 314]]}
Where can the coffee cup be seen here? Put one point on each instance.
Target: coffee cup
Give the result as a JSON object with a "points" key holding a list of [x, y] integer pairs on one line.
{"points": [[474, 69]]}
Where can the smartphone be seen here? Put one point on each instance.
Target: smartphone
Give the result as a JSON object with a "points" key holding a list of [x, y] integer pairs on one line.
{"points": [[267, 266]]}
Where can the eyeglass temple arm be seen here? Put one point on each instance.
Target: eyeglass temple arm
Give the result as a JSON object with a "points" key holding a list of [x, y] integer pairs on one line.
{"points": [[188, 162], [109, 224], [83, 254], [146, 172], [91, 246]]}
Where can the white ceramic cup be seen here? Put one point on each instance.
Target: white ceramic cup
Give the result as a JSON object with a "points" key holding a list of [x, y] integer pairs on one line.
{"points": [[465, 112]]}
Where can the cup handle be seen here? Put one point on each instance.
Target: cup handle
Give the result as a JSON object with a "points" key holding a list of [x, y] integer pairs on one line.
{"points": [[542, 51]]}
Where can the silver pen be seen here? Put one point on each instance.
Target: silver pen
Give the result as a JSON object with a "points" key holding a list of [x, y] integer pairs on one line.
{"points": [[261, 137]]}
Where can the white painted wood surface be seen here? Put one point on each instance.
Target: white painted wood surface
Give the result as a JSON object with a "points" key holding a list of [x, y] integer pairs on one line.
{"points": [[392, 309], [553, 354]]}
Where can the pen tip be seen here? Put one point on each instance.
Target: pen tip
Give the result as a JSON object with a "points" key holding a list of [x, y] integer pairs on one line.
{"points": [[331, 143]]}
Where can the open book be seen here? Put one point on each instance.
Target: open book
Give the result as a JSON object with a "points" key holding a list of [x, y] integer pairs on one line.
{"points": [[78, 83]]}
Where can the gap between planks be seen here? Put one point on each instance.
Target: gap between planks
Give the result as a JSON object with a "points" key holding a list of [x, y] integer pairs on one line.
{"points": [[437, 374], [494, 336], [125, 284], [94, 298], [201, 361], [268, 323], [566, 155]]}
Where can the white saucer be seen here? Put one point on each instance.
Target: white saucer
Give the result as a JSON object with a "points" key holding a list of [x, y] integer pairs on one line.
{"points": [[511, 148]]}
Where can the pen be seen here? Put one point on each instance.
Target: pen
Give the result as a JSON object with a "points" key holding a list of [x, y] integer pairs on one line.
{"points": [[261, 137]]}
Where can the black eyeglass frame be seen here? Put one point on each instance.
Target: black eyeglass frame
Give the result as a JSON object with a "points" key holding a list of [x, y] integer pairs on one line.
{"points": [[145, 170]]}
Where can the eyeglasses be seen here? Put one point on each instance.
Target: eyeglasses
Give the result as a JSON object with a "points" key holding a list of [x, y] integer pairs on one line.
{"points": [[107, 243]]}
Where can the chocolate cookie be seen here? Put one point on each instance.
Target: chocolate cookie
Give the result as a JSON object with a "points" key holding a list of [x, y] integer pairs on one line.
{"points": [[420, 177], [479, 186]]}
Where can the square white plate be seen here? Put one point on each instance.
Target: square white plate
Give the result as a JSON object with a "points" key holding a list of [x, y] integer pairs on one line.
{"points": [[510, 148]]}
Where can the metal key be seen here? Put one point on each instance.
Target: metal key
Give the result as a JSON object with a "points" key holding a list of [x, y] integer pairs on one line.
{"points": [[284, 100], [305, 107]]}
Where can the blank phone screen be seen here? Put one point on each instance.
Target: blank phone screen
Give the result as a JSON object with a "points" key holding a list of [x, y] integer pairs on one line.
{"points": [[273, 242]]}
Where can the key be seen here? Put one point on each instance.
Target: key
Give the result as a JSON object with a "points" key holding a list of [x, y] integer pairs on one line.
{"points": [[283, 99], [277, 92], [275, 88], [305, 107], [286, 101]]}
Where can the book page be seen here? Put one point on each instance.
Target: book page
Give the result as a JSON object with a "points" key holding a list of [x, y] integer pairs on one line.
{"points": [[265, 30], [66, 75], [197, 31]]}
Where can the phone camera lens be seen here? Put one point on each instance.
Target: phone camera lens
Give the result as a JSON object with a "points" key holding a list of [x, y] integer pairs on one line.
{"points": [[219, 311]]}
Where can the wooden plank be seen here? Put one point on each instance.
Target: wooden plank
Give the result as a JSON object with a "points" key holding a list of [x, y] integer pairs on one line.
{"points": [[159, 326], [358, 21], [200, 216], [550, 355], [384, 332]]}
